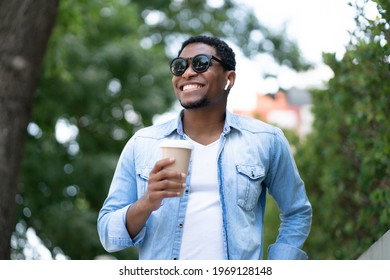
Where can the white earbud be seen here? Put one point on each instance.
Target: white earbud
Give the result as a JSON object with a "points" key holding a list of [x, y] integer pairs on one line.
{"points": [[227, 84]]}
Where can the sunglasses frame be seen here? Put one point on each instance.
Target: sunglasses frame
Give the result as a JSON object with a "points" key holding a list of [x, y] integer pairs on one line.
{"points": [[209, 57]]}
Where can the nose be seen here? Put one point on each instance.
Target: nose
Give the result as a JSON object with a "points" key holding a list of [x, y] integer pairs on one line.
{"points": [[189, 72]]}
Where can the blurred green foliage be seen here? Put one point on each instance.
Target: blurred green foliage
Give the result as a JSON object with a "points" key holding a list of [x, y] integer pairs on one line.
{"points": [[105, 75], [345, 161]]}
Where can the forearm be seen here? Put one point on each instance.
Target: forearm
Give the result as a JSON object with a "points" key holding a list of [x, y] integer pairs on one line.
{"points": [[295, 228], [137, 215], [112, 229], [293, 232]]}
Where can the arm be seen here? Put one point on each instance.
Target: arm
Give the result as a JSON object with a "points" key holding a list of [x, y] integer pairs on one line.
{"points": [[160, 186], [123, 216], [288, 190]]}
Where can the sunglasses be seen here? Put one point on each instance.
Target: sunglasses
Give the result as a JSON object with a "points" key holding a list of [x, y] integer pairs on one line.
{"points": [[199, 63]]}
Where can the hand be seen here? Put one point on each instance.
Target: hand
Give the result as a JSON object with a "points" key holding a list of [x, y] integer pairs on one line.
{"points": [[164, 183]]}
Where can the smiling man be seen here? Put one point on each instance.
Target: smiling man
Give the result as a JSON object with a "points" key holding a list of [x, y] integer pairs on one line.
{"points": [[235, 161]]}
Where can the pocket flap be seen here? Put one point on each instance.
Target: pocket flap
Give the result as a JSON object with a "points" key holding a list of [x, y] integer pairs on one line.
{"points": [[144, 172], [252, 171]]}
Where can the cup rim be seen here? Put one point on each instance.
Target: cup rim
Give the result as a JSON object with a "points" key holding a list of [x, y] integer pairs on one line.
{"points": [[171, 143]]}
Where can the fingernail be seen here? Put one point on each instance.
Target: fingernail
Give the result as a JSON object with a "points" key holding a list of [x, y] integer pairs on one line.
{"points": [[184, 185], [183, 175]]}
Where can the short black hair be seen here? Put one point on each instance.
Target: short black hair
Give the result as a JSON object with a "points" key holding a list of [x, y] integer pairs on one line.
{"points": [[222, 49]]}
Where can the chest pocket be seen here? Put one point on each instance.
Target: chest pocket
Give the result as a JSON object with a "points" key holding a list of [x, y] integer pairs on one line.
{"points": [[249, 178], [142, 180]]}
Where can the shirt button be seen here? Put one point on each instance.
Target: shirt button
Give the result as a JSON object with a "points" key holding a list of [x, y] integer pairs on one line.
{"points": [[174, 259], [180, 225]]}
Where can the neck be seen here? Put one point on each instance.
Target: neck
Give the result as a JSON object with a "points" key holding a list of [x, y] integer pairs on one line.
{"points": [[203, 127]]}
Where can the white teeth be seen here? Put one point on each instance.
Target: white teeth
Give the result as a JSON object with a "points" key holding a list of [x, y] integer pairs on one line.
{"points": [[191, 86]]}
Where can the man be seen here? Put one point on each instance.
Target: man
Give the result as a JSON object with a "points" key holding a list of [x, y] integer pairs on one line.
{"points": [[234, 162]]}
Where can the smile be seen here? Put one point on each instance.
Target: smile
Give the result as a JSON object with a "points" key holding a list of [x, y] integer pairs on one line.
{"points": [[191, 86]]}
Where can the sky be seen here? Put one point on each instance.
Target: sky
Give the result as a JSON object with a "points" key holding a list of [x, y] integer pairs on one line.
{"points": [[316, 25]]}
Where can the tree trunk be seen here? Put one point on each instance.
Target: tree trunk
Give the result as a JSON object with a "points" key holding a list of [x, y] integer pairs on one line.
{"points": [[25, 28]]}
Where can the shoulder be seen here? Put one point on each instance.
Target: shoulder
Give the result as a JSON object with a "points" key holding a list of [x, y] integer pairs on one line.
{"points": [[157, 131], [252, 125]]}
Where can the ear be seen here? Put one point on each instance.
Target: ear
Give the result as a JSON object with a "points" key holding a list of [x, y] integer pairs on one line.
{"points": [[231, 77], [227, 85]]}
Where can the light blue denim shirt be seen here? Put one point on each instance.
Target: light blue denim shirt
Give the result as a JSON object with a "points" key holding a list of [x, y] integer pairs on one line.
{"points": [[253, 157]]}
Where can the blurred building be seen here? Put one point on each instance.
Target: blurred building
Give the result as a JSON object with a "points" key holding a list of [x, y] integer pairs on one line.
{"points": [[289, 110]]}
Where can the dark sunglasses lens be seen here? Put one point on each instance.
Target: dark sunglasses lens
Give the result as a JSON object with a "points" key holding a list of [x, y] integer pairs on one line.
{"points": [[178, 66], [200, 63]]}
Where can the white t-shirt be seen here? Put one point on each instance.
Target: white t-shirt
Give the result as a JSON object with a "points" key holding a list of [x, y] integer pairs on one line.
{"points": [[203, 226]]}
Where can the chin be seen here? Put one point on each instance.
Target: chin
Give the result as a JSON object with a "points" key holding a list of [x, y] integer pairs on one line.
{"points": [[194, 104]]}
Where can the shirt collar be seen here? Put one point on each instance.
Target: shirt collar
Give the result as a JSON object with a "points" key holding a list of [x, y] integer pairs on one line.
{"points": [[231, 121]]}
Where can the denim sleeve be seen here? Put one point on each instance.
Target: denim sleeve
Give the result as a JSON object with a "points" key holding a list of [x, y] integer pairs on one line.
{"points": [[111, 223], [287, 188], [280, 251]]}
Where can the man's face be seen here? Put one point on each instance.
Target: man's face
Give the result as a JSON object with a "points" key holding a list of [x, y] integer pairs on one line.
{"points": [[199, 90]]}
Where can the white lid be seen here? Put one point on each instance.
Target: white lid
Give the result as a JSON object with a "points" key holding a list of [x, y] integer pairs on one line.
{"points": [[177, 144]]}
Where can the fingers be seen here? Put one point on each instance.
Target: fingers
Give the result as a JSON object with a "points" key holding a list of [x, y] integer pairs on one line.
{"points": [[158, 190], [168, 184], [164, 182], [160, 172], [167, 175], [161, 164], [160, 195], [174, 184]]}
